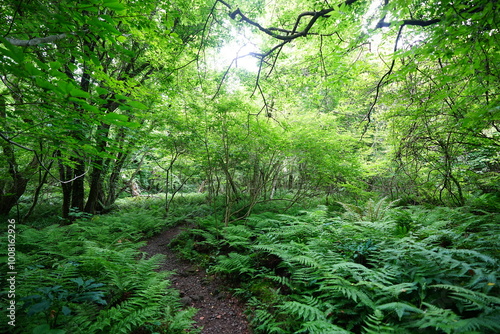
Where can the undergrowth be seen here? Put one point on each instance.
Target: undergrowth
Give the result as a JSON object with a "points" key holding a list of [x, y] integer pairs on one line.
{"points": [[90, 277], [377, 269]]}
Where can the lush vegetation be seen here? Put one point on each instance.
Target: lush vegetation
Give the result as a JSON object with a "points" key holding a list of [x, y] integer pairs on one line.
{"points": [[373, 269], [380, 120], [90, 277]]}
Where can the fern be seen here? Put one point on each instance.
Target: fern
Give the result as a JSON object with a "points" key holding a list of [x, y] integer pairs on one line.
{"points": [[321, 327], [302, 311], [374, 324], [349, 290], [263, 320], [472, 300], [335, 275], [436, 318], [238, 236], [93, 262], [399, 308], [372, 211], [234, 263]]}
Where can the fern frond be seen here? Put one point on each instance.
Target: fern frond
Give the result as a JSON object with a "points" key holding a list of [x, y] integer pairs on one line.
{"points": [[302, 311], [266, 322], [479, 325], [349, 290], [374, 324], [474, 300], [400, 308], [234, 263], [436, 318], [321, 327]]}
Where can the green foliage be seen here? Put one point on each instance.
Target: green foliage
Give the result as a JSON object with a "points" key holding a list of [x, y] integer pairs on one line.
{"points": [[54, 300], [89, 277], [375, 325], [102, 98], [372, 211], [317, 273]]}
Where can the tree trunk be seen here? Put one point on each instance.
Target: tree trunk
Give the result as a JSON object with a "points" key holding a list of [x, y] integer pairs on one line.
{"points": [[43, 179], [95, 193], [11, 190], [78, 185], [96, 187], [66, 189]]}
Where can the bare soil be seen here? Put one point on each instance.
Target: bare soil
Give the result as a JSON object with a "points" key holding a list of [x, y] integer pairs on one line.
{"points": [[218, 311]]}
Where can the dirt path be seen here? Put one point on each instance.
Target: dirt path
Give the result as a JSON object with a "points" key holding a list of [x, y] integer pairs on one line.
{"points": [[219, 313]]}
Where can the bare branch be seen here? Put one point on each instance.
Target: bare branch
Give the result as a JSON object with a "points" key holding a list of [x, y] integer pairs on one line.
{"points": [[221, 82], [382, 82], [289, 35]]}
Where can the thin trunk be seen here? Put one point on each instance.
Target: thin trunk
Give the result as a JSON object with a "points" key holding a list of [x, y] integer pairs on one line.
{"points": [[41, 183], [66, 189], [112, 193], [78, 185]]}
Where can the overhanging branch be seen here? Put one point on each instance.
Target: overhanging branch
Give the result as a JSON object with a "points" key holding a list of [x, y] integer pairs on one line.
{"points": [[36, 41], [419, 23], [288, 34]]}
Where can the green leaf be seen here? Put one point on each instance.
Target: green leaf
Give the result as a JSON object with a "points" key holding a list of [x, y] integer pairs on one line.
{"points": [[66, 310], [90, 108], [136, 104], [12, 51], [116, 6], [79, 93], [40, 307], [114, 117], [399, 308], [101, 91], [42, 83], [121, 39], [78, 281], [45, 329]]}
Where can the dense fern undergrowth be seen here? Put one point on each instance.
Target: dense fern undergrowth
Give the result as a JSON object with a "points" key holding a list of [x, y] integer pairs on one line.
{"points": [[90, 277], [374, 268]]}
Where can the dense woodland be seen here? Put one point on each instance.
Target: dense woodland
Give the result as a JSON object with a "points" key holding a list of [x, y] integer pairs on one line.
{"points": [[338, 162]]}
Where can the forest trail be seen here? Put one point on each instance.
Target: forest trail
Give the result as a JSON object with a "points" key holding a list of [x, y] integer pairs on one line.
{"points": [[218, 311]]}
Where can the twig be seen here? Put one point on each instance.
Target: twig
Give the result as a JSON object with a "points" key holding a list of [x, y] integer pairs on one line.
{"points": [[381, 82]]}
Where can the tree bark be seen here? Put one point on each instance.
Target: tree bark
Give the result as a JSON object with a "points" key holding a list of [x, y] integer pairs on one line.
{"points": [[96, 187]]}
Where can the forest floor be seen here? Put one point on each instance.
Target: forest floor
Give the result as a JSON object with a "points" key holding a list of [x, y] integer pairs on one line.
{"points": [[218, 311]]}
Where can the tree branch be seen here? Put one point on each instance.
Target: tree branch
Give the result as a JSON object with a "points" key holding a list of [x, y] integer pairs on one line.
{"points": [[288, 35], [419, 23], [382, 81], [36, 41]]}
